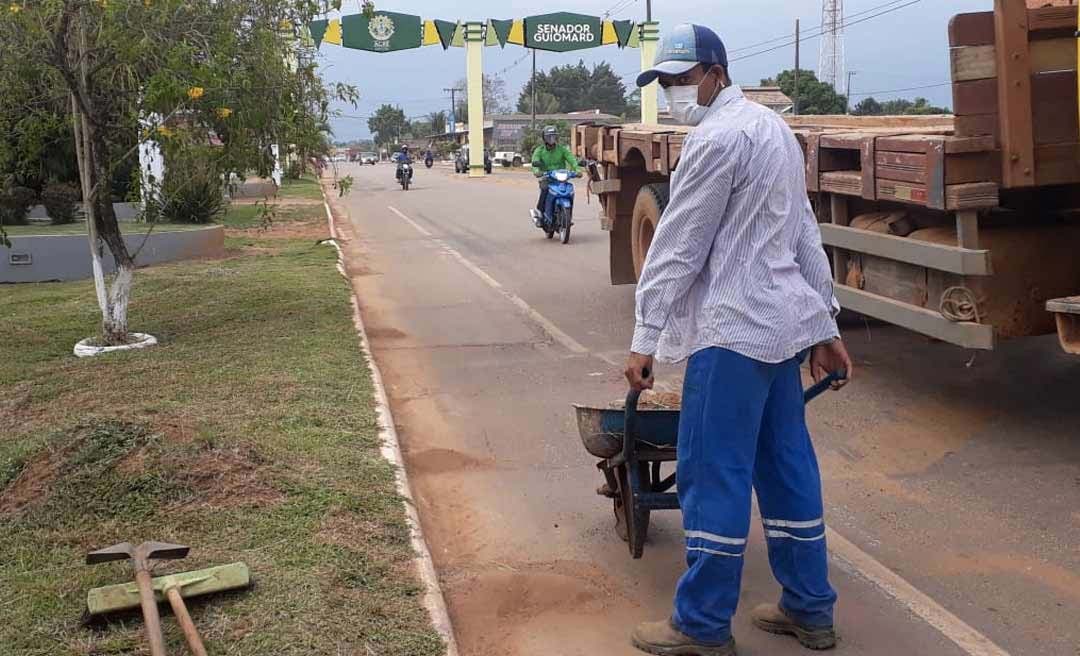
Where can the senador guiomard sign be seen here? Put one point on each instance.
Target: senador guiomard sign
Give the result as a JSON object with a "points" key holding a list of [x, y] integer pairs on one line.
{"points": [[562, 31]]}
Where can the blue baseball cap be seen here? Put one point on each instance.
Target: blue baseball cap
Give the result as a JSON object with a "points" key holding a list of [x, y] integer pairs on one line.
{"points": [[683, 48]]}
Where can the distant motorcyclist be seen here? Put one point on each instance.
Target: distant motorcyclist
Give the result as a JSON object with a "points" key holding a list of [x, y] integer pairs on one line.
{"points": [[549, 156], [402, 157]]}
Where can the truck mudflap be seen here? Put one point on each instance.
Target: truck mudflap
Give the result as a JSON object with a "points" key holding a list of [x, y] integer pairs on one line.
{"points": [[1067, 313]]}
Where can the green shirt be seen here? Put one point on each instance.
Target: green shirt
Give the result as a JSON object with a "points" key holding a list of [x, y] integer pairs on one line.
{"points": [[559, 157]]}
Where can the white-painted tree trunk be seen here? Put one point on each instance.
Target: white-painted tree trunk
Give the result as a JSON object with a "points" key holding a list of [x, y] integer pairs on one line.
{"points": [[112, 299], [151, 161], [278, 171]]}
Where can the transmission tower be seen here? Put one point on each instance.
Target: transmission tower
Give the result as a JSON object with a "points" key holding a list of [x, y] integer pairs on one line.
{"points": [[832, 67]]}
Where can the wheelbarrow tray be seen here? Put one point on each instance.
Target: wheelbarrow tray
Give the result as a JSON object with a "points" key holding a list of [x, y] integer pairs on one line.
{"points": [[632, 468], [602, 429]]}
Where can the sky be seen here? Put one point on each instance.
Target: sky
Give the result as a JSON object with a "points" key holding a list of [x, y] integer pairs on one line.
{"points": [[899, 50]]}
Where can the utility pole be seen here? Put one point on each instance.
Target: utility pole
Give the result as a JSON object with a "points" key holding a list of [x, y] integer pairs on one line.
{"points": [[454, 109], [847, 91], [648, 10], [795, 99], [533, 85]]}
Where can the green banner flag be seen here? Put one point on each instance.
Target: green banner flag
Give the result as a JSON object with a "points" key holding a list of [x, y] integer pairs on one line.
{"points": [[623, 30], [386, 31], [502, 30], [459, 36], [446, 31], [317, 29], [563, 31]]}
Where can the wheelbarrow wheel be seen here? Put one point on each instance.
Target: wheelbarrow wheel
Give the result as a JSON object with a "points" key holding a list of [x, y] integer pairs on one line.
{"points": [[632, 525]]}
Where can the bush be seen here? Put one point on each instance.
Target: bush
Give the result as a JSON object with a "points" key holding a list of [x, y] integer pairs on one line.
{"points": [[59, 199], [532, 138], [190, 193], [15, 202]]}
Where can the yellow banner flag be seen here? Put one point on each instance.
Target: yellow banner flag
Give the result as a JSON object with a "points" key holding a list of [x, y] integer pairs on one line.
{"points": [[608, 35], [333, 32], [431, 35]]}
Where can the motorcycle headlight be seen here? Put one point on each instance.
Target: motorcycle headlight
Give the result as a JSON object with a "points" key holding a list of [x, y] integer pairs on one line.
{"points": [[562, 176]]}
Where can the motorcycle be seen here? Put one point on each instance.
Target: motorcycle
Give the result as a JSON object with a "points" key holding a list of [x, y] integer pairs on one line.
{"points": [[404, 175], [429, 161], [559, 208]]}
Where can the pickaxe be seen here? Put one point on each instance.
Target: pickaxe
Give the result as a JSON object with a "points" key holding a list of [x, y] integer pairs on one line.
{"points": [[141, 557]]}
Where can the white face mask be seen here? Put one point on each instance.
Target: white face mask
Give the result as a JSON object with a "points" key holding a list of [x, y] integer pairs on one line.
{"points": [[683, 104]]}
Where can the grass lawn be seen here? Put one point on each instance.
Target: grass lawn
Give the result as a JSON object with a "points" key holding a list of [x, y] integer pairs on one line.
{"points": [[305, 187], [248, 434]]}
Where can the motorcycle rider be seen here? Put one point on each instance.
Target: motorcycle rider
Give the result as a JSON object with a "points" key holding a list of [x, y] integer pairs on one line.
{"points": [[549, 156], [402, 158]]}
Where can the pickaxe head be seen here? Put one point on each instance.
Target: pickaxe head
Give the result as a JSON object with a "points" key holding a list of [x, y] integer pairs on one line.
{"points": [[140, 554]]}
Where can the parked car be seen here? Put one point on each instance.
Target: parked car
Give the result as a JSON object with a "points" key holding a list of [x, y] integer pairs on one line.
{"points": [[369, 158], [461, 162], [507, 158]]}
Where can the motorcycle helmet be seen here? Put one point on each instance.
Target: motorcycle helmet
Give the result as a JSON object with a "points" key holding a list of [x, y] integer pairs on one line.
{"points": [[551, 135]]}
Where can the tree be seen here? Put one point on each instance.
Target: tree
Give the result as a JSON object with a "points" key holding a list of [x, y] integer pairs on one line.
{"points": [[868, 107], [177, 72], [899, 107], [606, 91], [545, 104], [633, 106], [495, 99], [815, 96], [577, 88], [419, 128], [388, 124], [437, 120]]}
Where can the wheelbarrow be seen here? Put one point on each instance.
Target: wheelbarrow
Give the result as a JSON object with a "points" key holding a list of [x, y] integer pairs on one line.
{"points": [[633, 444]]}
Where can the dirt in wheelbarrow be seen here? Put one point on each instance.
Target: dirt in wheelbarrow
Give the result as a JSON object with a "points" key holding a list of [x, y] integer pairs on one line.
{"points": [[653, 400]]}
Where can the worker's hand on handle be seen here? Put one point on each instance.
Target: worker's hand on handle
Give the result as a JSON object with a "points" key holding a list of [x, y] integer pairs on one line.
{"points": [[639, 371], [831, 357]]}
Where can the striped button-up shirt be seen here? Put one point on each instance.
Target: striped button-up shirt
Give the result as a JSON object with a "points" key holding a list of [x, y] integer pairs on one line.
{"points": [[737, 260]]}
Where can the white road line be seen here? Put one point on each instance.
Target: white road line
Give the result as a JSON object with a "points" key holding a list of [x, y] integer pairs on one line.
{"points": [[933, 613], [568, 342], [860, 563], [419, 228]]}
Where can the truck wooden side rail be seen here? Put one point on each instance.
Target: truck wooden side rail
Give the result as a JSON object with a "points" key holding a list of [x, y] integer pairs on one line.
{"points": [[965, 228]]}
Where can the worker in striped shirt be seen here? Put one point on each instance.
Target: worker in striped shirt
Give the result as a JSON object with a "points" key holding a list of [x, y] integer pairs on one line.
{"points": [[737, 283]]}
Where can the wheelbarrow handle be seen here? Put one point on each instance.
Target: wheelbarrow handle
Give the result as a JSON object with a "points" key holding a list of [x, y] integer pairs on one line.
{"points": [[630, 423], [818, 389]]}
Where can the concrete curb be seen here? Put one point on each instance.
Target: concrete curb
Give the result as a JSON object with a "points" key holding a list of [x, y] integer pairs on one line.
{"points": [[434, 601]]}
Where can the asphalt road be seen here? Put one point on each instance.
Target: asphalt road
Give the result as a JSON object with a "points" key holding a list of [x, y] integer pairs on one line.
{"points": [[952, 482]]}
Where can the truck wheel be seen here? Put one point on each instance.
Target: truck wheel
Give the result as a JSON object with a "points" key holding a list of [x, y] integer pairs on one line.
{"points": [[650, 204]]}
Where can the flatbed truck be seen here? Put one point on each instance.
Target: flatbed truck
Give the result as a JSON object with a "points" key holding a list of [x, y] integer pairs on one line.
{"points": [[965, 227]]}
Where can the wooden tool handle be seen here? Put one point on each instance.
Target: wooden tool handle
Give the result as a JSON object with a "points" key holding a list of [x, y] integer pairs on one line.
{"points": [[150, 612], [190, 632]]}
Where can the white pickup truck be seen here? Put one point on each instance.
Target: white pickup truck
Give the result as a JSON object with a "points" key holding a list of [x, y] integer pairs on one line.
{"points": [[507, 158]]}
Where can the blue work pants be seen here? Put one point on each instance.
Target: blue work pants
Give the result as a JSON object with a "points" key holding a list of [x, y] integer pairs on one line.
{"points": [[743, 423]]}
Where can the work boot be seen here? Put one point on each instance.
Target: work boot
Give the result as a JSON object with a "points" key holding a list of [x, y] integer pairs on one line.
{"points": [[772, 618], [663, 639]]}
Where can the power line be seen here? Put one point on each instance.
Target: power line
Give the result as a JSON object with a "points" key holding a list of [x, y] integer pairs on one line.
{"points": [[791, 42], [819, 33], [618, 6], [816, 27], [888, 91], [516, 62]]}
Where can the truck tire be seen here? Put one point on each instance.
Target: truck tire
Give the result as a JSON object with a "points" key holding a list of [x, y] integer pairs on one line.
{"points": [[649, 206]]}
